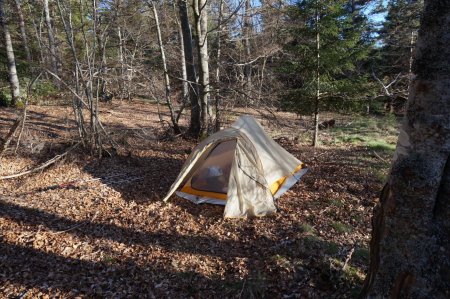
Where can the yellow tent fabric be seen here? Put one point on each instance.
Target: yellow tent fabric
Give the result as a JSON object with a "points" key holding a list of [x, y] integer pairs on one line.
{"points": [[240, 167]]}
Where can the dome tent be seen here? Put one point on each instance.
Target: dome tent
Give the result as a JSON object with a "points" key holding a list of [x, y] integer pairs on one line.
{"points": [[240, 167]]}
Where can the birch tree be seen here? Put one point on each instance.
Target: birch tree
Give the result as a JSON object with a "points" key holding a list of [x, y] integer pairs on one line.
{"points": [[191, 76], [201, 27], [410, 246], [23, 32], [12, 71], [51, 38], [166, 73]]}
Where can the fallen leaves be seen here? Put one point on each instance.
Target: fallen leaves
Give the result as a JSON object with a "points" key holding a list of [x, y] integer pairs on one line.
{"points": [[115, 238]]}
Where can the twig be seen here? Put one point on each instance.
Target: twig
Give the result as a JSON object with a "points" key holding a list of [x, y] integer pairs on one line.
{"points": [[76, 226], [379, 157], [24, 294], [41, 167], [243, 286], [24, 113], [349, 256]]}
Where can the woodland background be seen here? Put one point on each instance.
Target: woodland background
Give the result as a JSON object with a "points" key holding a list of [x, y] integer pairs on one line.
{"points": [[137, 84]]}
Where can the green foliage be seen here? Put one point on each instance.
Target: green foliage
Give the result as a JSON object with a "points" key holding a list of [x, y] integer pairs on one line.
{"points": [[341, 227], [336, 203], [332, 248], [307, 228], [344, 48], [402, 21], [380, 145], [5, 100], [361, 255], [44, 88], [376, 133]]}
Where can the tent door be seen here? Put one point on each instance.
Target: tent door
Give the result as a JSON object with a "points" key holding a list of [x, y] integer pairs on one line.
{"points": [[212, 176]]}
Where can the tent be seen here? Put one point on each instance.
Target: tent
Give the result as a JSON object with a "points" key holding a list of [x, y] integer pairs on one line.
{"points": [[240, 167]]}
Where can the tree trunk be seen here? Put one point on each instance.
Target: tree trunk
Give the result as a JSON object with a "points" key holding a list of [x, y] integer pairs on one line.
{"points": [[51, 38], [37, 35], [247, 28], [121, 62], [176, 128], [12, 72], [411, 59], [185, 82], [201, 25], [217, 93], [23, 32], [194, 126], [410, 250], [317, 101]]}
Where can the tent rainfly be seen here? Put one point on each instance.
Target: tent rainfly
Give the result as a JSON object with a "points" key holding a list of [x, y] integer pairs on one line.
{"points": [[240, 167]]}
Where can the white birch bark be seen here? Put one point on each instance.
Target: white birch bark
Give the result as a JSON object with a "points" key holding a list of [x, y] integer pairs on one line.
{"points": [[317, 101], [166, 73], [23, 32], [51, 38], [12, 72], [201, 26]]}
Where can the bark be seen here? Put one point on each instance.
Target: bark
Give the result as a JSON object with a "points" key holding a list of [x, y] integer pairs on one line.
{"points": [[121, 62], [246, 33], [23, 32], [317, 101], [185, 82], [77, 102], [201, 26], [217, 93], [410, 248], [411, 59], [176, 128], [194, 126], [12, 72], [51, 38], [37, 36]]}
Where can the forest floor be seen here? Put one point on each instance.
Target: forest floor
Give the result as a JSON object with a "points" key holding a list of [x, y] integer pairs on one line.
{"points": [[112, 236]]}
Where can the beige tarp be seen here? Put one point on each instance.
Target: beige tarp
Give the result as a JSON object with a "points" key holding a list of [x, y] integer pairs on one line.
{"points": [[258, 162]]}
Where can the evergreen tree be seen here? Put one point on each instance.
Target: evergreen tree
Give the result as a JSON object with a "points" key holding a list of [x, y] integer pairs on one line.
{"points": [[397, 37], [329, 43]]}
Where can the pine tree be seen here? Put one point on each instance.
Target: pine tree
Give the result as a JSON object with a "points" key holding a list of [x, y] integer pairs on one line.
{"points": [[329, 41], [398, 38]]}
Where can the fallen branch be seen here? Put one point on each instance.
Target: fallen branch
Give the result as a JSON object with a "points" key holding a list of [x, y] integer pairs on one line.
{"points": [[379, 157], [41, 167], [349, 256], [76, 226]]}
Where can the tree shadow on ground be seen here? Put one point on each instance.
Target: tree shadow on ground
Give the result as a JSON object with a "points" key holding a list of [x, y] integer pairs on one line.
{"points": [[140, 179], [109, 277]]}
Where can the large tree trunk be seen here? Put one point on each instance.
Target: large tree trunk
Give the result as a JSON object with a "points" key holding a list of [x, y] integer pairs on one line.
{"points": [[201, 25], [23, 32], [194, 126], [410, 251], [12, 72]]}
